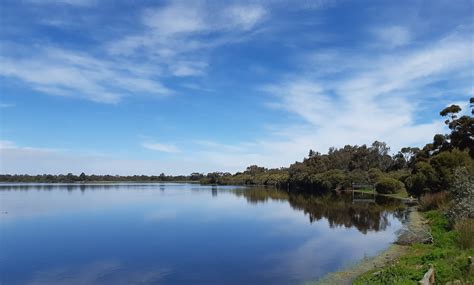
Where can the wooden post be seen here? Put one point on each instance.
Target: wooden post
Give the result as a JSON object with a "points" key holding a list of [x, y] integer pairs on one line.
{"points": [[428, 278], [471, 265]]}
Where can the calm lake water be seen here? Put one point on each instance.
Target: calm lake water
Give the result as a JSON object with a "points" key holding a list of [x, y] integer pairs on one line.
{"points": [[184, 234]]}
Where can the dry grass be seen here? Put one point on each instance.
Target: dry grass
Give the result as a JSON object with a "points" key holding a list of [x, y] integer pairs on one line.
{"points": [[433, 201], [465, 228]]}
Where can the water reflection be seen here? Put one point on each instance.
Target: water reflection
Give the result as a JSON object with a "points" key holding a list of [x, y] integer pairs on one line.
{"points": [[83, 187], [100, 272], [338, 209], [183, 234]]}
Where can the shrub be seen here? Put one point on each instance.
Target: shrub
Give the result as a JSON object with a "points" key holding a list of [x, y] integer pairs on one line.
{"points": [[359, 176], [387, 185], [465, 229], [462, 191], [438, 173], [375, 174], [433, 201], [422, 179], [330, 180]]}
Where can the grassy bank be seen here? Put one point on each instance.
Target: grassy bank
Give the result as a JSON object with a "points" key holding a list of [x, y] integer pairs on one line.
{"points": [[399, 195], [446, 254]]}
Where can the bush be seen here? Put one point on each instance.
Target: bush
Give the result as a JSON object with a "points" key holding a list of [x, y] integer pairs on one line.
{"points": [[387, 185], [375, 174], [462, 191], [423, 179], [465, 229], [433, 201]]}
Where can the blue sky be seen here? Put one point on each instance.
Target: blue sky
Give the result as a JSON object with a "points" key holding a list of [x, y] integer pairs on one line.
{"points": [[144, 87]]}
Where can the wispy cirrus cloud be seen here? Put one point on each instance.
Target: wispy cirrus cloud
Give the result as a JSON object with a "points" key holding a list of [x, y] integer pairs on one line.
{"points": [[6, 105], [198, 17], [162, 147], [376, 99], [172, 41], [68, 73], [7, 144], [56, 161], [393, 36], [181, 32], [79, 3], [180, 35], [327, 82]]}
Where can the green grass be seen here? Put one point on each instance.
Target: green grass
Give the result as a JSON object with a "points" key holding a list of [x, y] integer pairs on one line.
{"points": [[400, 195], [445, 254], [365, 190]]}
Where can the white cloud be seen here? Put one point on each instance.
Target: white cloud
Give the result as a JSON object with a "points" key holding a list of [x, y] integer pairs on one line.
{"points": [[79, 3], [7, 144], [34, 160], [176, 18], [173, 41], [179, 34], [186, 68], [393, 36], [246, 17], [197, 17], [6, 105], [378, 100], [170, 148], [67, 73]]}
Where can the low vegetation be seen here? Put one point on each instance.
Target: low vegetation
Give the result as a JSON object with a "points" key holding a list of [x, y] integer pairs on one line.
{"points": [[451, 222], [446, 254], [465, 228], [431, 201], [428, 170], [388, 185], [440, 174], [420, 172], [83, 178]]}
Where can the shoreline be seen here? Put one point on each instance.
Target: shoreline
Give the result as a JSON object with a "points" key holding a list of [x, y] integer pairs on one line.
{"points": [[398, 248]]}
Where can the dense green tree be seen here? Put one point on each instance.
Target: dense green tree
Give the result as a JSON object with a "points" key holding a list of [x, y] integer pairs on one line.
{"points": [[387, 185], [462, 130]]}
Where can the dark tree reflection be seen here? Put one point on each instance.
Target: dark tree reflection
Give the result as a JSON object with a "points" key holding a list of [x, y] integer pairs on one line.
{"points": [[338, 209]]}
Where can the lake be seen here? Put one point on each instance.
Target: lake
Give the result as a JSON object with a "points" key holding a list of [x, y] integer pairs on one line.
{"points": [[174, 233]]}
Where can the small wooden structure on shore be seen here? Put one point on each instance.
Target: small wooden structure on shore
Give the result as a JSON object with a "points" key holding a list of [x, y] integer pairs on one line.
{"points": [[428, 278], [356, 186]]}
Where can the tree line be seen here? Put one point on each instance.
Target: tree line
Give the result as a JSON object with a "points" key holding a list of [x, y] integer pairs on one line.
{"points": [[83, 178], [416, 170]]}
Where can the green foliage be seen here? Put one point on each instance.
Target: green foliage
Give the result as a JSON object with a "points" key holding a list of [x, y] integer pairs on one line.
{"points": [[387, 185], [465, 228], [451, 111], [83, 178], [423, 179], [433, 201], [462, 191], [375, 174], [437, 174], [462, 130], [445, 163], [445, 254], [359, 176], [426, 170]]}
